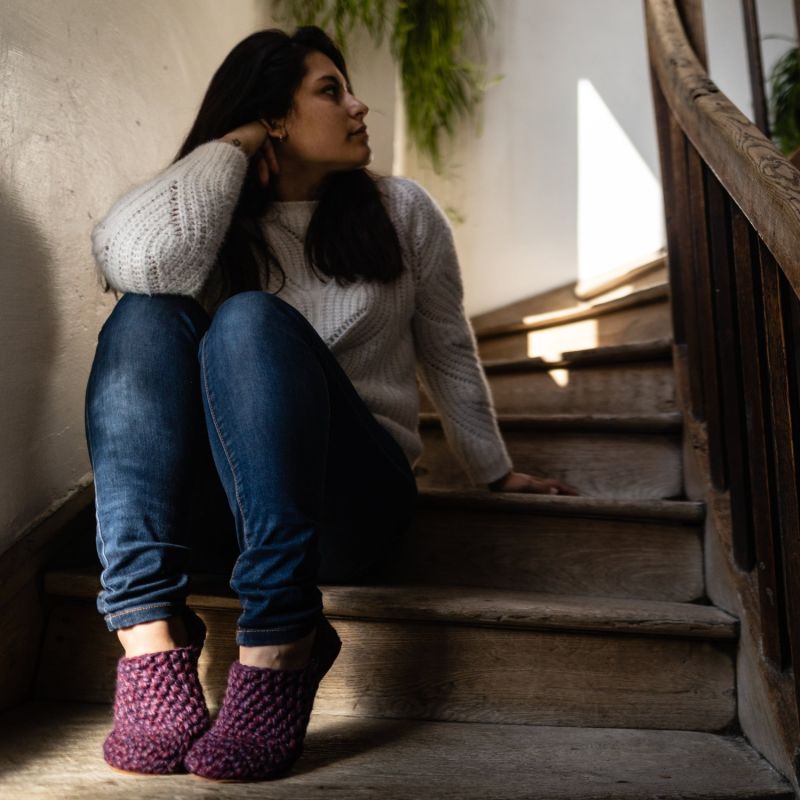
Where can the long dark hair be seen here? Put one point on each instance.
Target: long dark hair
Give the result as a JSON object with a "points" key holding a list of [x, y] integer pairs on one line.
{"points": [[350, 234]]}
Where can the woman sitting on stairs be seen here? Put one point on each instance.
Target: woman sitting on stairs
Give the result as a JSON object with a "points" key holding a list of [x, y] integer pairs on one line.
{"points": [[297, 401]]}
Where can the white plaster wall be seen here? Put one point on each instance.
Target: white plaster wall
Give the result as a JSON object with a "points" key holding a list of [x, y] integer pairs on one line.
{"points": [[727, 62], [535, 184], [517, 184], [94, 96]]}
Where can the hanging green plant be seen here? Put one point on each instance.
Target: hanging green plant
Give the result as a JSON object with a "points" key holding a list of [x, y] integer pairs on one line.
{"points": [[784, 81], [440, 85]]}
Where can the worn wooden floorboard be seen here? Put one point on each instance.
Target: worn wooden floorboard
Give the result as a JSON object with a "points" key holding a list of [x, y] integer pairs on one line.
{"points": [[54, 750]]}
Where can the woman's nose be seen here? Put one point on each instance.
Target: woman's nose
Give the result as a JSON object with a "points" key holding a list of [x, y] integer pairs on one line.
{"points": [[359, 108]]}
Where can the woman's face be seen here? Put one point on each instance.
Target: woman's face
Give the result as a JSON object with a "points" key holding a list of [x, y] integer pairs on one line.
{"points": [[321, 126]]}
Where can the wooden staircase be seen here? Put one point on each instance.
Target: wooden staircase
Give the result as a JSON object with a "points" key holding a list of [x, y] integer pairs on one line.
{"points": [[573, 634]]}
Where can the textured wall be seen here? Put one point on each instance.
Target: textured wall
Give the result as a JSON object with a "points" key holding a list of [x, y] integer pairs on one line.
{"points": [[533, 184]]}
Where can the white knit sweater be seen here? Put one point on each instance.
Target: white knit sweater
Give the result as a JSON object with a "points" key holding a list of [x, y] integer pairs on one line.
{"points": [[163, 237]]}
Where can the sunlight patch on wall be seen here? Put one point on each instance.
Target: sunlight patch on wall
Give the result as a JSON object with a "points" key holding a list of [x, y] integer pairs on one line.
{"points": [[620, 207]]}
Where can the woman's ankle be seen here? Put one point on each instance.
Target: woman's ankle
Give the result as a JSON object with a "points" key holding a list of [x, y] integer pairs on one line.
{"points": [[292, 655], [153, 637]]}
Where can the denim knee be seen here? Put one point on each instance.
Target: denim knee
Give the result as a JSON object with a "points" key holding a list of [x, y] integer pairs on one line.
{"points": [[240, 311], [132, 311]]}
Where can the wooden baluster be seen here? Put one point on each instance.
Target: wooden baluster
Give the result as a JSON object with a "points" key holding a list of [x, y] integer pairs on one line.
{"points": [[691, 14], [783, 417], [797, 17], [763, 520], [706, 323], [683, 246], [672, 219], [755, 65], [732, 422]]}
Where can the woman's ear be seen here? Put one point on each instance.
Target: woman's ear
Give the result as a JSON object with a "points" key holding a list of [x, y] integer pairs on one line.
{"points": [[276, 129]]}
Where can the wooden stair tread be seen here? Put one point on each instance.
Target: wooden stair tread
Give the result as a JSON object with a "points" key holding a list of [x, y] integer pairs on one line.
{"points": [[466, 605], [368, 757], [586, 310], [688, 511], [654, 350], [667, 422]]}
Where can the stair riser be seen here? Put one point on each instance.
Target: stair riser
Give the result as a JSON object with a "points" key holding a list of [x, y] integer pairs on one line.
{"points": [[638, 324], [449, 672], [560, 555], [613, 389], [611, 465]]}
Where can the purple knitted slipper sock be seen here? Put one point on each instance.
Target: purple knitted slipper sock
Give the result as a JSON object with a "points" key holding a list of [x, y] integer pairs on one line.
{"points": [[262, 723], [159, 708]]}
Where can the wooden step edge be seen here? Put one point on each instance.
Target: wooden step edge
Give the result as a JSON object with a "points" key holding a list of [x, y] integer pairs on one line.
{"points": [[640, 297], [609, 281], [666, 422], [634, 352], [688, 512], [464, 605]]}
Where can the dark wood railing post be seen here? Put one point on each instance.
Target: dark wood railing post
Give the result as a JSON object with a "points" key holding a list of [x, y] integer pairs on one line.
{"points": [[691, 14], [755, 65], [764, 534]]}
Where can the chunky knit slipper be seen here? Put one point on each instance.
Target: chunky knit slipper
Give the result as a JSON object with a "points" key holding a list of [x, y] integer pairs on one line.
{"points": [[159, 708], [262, 723]]}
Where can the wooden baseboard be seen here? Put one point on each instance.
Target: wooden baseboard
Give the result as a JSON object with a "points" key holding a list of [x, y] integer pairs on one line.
{"points": [[22, 599]]}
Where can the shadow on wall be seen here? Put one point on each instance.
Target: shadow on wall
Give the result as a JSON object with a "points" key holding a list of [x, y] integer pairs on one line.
{"points": [[30, 333]]}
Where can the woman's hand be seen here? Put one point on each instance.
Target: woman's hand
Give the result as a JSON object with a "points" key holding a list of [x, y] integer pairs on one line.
{"points": [[253, 139], [520, 482]]}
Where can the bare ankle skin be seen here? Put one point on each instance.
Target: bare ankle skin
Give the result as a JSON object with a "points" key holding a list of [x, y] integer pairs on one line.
{"points": [[292, 655], [153, 637]]}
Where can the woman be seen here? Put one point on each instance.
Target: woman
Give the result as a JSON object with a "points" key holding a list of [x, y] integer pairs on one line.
{"points": [[296, 399]]}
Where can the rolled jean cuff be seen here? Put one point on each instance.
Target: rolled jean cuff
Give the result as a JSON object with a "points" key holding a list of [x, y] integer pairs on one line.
{"points": [[146, 613], [277, 634]]}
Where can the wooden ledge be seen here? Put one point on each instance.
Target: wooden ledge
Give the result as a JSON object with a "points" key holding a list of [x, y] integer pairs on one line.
{"points": [[654, 350], [689, 512], [590, 310], [607, 282], [465, 605], [667, 422]]}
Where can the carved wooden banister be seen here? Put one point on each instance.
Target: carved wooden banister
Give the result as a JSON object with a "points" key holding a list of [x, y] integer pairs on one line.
{"points": [[748, 165], [732, 205]]}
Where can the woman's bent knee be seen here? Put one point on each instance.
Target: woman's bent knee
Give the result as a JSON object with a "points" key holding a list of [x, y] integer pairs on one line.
{"points": [[147, 315], [243, 310]]}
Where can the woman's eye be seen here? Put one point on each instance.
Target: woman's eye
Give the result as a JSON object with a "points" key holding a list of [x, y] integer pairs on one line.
{"points": [[334, 89]]}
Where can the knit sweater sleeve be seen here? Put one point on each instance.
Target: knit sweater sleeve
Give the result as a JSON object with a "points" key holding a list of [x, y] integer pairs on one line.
{"points": [[163, 236], [446, 349]]}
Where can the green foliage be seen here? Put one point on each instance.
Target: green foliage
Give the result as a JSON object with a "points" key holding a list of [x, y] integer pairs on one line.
{"points": [[337, 17], [784, 83], [440, 86]]}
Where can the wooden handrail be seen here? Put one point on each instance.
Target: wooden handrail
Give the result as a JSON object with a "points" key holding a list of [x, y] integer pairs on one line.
{"points": [[732, 208], [757, 176]]}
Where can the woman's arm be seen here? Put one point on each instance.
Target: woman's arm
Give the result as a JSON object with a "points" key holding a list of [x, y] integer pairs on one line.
{"points": [[447, 359], [162, 237]]}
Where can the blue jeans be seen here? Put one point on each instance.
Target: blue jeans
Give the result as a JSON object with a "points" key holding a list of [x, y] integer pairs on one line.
{"points": [[315, 488]]}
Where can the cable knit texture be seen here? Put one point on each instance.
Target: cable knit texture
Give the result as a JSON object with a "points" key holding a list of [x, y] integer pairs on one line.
{"points": [[261, 727], [164, 237], [159, 711]]}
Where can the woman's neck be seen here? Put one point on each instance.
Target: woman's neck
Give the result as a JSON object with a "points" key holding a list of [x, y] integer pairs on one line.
{"points": [[294, 184]]}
